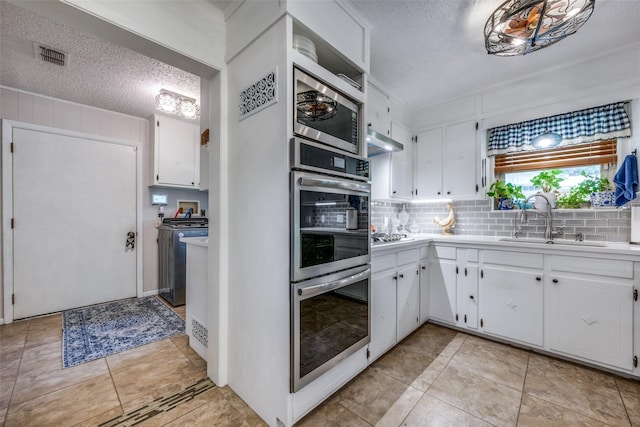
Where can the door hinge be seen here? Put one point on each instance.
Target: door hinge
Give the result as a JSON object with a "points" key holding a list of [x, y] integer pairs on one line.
{"points": [[158, 123], [635, 361], [481, 323], [368, 353], [417, 272], [157, 177], [13, 299], [13, 222], [465, 318], [11, 147], [477, 188], [635, 291], [482, 274], [477, 125], [456, 317]]}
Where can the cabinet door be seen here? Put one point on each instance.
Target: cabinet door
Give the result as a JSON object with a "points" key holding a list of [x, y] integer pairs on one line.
{"points": [[428, 173], [424, 291], [402, 163], [383, 313], [460, 160], [177, 152], [591, 318], [380, 176], [408, 300], [511, 304], [378, 117], [442, 290], [467, 296]]}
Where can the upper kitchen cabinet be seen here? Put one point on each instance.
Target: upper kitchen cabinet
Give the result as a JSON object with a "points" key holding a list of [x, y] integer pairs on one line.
{"points": [[378, 116], [175, 152], [447, 162], [392, 173]]}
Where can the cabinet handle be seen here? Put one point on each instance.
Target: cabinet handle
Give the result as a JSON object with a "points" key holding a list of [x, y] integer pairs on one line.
{"points": [[394, 191], [448, 192], [470, 296], [465, 271], [395, 277], [538, 278], [423, 267], [402, 276], [438, 193], [555, 280], [465, 318]]}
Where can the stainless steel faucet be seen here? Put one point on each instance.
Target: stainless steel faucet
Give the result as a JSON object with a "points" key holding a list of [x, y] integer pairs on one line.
{"points": [[549, 234]]}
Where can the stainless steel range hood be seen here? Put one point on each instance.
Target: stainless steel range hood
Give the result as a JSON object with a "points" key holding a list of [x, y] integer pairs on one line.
{"points": [[378, 143]]}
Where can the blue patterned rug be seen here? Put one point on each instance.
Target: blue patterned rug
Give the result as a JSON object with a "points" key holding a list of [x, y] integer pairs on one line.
{"points": [[97, 331]]}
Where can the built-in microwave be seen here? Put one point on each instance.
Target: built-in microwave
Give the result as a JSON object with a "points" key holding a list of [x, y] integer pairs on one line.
{"points": [[325, 115]]}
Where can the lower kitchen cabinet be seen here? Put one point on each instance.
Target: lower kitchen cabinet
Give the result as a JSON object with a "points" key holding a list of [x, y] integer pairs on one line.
{"points": [[591, 318], [424, 288], [442, 290], [511, 303], [408, 300], [395, 299], [467, 288], [383, 312]]}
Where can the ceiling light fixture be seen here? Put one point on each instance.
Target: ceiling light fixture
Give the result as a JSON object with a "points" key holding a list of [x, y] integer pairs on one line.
{"points": [[519, 27], [174, 103], [546, 140]]}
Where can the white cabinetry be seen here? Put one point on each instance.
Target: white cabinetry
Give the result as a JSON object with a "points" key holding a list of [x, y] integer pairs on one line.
{"points": [[467, 287], [442, 284], [402, 163], [447, 162], [175, 152], [590, 309], [378, 117], [395, 299], [424, 284], [510, 289]]}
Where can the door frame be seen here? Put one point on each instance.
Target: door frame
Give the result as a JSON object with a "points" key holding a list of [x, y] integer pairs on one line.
{"points": [[7, 202]]}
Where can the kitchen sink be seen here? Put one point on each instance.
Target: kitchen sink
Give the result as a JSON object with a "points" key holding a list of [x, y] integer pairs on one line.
{"points": [[554, 242]]}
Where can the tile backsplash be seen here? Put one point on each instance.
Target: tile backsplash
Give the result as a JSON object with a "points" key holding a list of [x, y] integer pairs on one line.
{"points": [[476, 217]]}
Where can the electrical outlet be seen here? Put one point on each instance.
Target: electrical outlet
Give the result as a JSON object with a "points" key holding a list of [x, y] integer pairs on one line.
{"points": [[339, 219]]}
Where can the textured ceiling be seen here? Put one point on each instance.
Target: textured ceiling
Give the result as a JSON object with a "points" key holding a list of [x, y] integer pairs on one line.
{"points": [[100, 73], [425, 52]]}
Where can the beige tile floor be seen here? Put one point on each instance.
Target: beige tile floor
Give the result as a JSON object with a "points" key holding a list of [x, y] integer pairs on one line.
{"points": [[435, 377]]}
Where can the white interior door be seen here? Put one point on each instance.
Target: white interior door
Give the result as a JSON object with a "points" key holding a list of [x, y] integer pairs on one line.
{"points": [[74, 201]]}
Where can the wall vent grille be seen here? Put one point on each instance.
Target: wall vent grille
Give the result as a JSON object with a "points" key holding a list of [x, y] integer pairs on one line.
{"points": [[51, 55], [199, 332]]}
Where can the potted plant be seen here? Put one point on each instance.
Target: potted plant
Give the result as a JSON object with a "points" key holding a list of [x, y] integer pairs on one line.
{"points": [[591, 189], [505, 193], [548, 181]]}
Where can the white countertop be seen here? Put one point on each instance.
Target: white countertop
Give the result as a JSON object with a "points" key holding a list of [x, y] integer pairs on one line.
{"points": [[197, 241], [422, 239]]}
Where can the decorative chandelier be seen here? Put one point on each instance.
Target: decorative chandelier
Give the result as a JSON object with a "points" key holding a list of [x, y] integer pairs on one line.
{"points": [[174, 103], [519, 27], [315, 106]]}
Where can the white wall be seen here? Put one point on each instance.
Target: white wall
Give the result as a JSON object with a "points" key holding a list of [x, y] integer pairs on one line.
{"points": [[258, 251]]}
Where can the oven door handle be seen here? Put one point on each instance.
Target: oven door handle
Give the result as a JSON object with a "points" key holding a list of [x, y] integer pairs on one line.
{"points": [[326, 287], [334, 184]]}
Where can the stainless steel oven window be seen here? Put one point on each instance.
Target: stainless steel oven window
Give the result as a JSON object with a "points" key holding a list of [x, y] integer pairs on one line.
{"points": [[351, 247], [341, 131], [330, 321]]}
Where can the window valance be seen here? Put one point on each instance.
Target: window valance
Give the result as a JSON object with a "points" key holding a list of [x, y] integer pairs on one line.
{"points": [[592, 124]]}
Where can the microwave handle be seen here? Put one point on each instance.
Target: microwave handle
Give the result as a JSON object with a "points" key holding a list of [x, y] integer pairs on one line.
{"points": [[326, 287], [335, 184]]}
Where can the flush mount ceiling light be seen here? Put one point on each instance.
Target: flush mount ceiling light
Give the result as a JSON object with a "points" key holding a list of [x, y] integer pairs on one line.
{"points": [[546, 140], [519, 27], [174, 103]]}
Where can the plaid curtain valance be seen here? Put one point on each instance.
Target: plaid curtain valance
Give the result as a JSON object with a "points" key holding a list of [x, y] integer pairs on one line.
{"points": [[592, 124]]}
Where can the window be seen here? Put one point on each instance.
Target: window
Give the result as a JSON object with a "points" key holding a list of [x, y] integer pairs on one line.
{"points": [[595, 159]]}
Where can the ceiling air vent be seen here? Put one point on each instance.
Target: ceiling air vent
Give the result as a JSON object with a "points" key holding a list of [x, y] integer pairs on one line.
{"points": [[51, 55]]}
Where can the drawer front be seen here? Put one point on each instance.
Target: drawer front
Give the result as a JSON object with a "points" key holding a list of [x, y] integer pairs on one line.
{"points": [[408, 256], [447, 252], [515, 259], [600, 267], [383, 262]]}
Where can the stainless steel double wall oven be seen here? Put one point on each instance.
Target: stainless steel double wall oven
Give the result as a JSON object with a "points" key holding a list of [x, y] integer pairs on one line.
{"points": [[330, 235]]}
